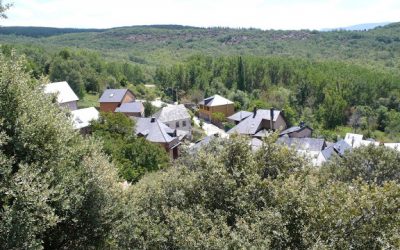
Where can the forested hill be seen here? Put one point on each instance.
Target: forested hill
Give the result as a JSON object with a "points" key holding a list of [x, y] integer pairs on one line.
{"points": [[161, 44], [42, 31]]}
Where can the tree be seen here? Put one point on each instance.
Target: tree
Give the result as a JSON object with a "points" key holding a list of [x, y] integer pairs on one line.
{"points": [[57, 190], [332, 110], [241, 84], [226, 196], [373, 164], [382, 119], [4, 8], [149, 109], [133, 156]]}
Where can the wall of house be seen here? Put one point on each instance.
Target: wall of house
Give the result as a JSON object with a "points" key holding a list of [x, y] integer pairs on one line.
{"points": [[108, 106], [227, 110], [172, 124], [129, 97], [280, 123], [70, 105]]}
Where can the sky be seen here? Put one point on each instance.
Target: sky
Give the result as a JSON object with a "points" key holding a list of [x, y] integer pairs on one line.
{"points": [[263, 14]]}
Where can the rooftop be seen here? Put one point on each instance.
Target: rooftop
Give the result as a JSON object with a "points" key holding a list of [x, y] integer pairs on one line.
{"points": [[154, 130], [172, 113], [304, 144], [131, 107], [63, 91], [83, 117], [252, 124], [113, 95], [215, 100], [238, 116], [293, 129]]}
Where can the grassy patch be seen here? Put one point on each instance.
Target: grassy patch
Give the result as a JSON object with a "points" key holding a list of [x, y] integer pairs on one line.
{"points": [[89, 100]]}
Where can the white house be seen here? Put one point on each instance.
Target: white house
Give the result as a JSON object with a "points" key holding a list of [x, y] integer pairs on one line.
{"points": [[308, 147], [176, 117], [356, 140], [82, 117], [66, 97]]}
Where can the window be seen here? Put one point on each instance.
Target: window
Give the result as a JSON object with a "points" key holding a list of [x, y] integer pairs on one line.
{"points": [[177, 124], [183, 123]]}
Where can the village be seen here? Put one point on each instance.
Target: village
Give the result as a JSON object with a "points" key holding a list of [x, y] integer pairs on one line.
{"points": [[172, 125]]}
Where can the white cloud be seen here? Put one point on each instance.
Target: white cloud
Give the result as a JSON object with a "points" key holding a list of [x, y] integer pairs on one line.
{"points": [[265, 14]]}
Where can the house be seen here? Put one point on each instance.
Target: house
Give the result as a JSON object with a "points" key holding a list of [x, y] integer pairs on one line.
{"points": [[356, 140], [176, 117], [112, 99], [335, 149], [239, 116], [308, 147], [133, 109], [260, 122], [82, 117], [157, 132], [66, 97], [301, 131], [215, 104], [395, 146]]}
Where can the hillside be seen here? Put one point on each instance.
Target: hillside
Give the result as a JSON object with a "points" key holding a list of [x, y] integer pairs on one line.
{"points": [[165, 44]]}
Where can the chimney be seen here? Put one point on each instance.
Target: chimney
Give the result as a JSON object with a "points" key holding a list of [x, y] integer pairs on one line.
{"points": [[272, 118], [254, 112], [152, 120], [302, 124]]}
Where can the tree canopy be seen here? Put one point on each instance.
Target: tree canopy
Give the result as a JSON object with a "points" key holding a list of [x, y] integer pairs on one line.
{"points": [[57, 190]]}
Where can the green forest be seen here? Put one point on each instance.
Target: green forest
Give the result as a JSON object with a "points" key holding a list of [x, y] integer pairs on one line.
{"points": [[331, 92]]}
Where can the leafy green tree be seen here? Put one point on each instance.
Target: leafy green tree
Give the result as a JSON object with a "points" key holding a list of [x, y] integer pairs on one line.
{"points": [[333, 108], [241, 84], [4, 8], [373, 164], [218, 117], [57, 190], [382, 118], [133, 156], [61, 70], [226, 196], [149, 109]]}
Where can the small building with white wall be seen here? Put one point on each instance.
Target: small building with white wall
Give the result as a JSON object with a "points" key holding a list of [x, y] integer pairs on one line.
{"points": [[66, 97]]}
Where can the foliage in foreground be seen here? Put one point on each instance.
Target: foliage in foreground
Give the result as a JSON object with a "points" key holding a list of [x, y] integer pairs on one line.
{"points": [[57, 190], [229, 197], [133, 156]]}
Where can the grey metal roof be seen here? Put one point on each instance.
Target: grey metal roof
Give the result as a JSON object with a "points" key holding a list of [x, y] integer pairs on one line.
{"points": [[154, 131], [307, 144], [172, 113], [291, 130], [113, 95], [262, 133], [215, 100], [131, 107], [241, 115], [205, 141], [252, 124], [338, 148]]}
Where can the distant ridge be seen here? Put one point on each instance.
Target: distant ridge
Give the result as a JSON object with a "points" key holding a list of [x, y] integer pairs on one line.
{"points": [[42, 31], [364, 26]]}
